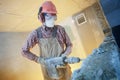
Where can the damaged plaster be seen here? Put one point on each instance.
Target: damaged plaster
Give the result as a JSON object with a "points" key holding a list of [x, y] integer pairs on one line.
{"points": [[102, 64]]}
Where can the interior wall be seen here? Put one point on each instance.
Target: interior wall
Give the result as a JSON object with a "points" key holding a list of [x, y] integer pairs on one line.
{"points": [[111, 10], [21, 15], [112, 14], [91, 32], [13, 66]]}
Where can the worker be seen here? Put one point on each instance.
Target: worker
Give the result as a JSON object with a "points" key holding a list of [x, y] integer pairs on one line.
{"points": [[53, 42]]}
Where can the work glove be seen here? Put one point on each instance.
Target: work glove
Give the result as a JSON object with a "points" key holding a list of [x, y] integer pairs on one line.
{"points": [[63, 56], [61, 66]]}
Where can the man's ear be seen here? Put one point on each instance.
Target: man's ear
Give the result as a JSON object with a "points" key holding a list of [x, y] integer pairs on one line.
{"points": [[41, 17]]}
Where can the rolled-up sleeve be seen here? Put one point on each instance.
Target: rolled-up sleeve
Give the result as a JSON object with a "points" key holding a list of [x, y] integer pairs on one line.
{"points": [[67, 42], [31, 41]]}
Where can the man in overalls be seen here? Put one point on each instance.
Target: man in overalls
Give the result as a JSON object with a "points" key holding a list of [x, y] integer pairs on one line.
{"points": [[53, 42]]}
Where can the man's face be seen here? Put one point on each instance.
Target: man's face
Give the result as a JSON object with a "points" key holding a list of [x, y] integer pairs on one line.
{"points": [[50, 19]]}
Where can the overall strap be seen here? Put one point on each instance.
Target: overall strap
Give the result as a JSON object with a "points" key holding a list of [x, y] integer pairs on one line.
{"points": [[54, 32], [39, 33]]}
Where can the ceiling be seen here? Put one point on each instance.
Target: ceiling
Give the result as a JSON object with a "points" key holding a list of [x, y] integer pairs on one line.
{"points": [[21, 15]]}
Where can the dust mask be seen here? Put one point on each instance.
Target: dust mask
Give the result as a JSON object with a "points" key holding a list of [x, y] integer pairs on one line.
{"points": [[50, 20]]}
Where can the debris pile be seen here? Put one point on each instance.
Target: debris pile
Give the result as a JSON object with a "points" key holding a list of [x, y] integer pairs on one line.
{"points": [[102, 64]]}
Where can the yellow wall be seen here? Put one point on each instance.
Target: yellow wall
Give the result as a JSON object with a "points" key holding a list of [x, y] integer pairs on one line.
{"points": [[12, 65], [21, 15]]}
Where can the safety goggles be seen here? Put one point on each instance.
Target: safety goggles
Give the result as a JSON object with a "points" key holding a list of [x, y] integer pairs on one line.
{"points": [[49, 16]]}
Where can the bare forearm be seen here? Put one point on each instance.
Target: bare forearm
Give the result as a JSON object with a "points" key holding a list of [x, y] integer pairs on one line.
{"points": [[68, 50]]}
